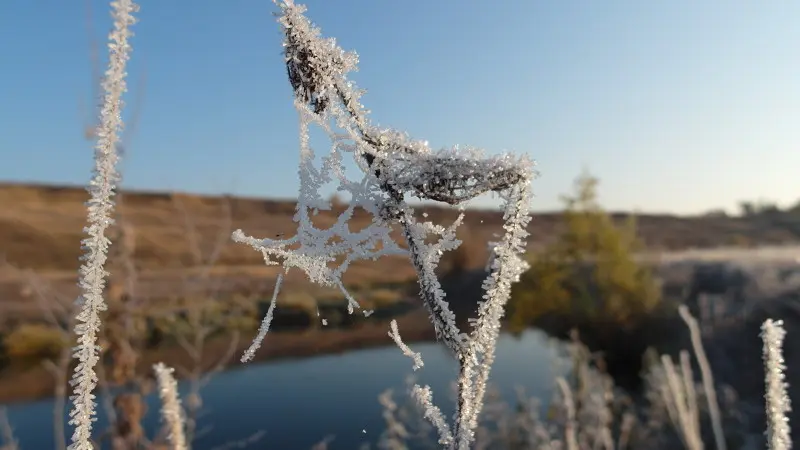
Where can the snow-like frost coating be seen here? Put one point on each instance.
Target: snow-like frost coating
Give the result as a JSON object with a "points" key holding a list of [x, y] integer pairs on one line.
{"points": [[394, 167]]}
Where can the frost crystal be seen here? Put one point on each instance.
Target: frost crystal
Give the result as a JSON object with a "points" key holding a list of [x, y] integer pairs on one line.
{"points": [[394, 167], [778, 403], [394, 333], [95, 246], [171, 410]]}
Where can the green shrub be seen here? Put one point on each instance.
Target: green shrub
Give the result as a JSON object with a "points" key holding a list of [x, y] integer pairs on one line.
{"points": [[589, 270], [34, 342]]}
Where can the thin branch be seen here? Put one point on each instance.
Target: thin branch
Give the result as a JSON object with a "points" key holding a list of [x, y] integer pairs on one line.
{"points": [[394, 333]]}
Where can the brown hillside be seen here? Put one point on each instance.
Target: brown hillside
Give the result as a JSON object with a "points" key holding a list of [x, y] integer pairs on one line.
{"points": [[41, 226]]}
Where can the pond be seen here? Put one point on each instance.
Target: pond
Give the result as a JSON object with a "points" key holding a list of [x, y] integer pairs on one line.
{"points": [[297, 403]]}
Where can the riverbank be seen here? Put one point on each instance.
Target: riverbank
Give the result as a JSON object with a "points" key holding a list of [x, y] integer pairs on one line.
{"points": [[36, 382]]}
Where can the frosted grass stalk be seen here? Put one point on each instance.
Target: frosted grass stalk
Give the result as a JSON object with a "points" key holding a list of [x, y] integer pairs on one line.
{"points": [[777, 399], [263, 329], [395, 167], [707, 376], [394, 333], [100, 209], [171, 411]]}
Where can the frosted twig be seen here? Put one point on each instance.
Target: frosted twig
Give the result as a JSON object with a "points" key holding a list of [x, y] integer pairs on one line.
{"points": [[424, 398], [95, 246], [250, 353], [394, 333], [171, 411], [778, 402], [707, 376], [395, 167], [678, 400], [570, 427]]}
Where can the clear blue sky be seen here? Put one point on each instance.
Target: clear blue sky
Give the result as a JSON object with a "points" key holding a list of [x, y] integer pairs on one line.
{"points": [[677, 106]]}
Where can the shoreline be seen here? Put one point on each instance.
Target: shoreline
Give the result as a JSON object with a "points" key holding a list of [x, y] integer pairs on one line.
{"points": [[36, 383]]}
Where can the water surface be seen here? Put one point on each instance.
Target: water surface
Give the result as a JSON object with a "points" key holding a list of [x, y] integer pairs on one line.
{"points": [[298, 403]]}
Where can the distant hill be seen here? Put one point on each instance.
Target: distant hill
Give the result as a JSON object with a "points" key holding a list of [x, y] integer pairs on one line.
{"points": [[41, 226]]}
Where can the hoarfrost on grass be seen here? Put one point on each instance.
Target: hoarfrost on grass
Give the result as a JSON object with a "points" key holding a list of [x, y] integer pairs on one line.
{"points": [[777, 399], [100, 210], [395, 167]]}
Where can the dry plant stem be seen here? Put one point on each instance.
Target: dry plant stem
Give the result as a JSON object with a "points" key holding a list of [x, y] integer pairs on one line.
{"points": [[263, 329], [471, 354], [569, 406], [677, 399], [777, 400], [499, 280], [170, 406], [100, 209], [395, 167], [429, 286], [394, 333], [707, 376], [60, 312]]}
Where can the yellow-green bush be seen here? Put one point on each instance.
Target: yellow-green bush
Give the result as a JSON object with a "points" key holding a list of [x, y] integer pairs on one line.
{"points": [[589, 270], [34, 341]]}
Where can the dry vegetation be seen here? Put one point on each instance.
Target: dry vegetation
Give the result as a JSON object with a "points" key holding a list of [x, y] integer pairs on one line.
{"points": [[176, 269], [40, 225]]}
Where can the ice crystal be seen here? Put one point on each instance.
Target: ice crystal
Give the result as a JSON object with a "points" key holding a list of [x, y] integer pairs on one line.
{"points": [[394, 167], [100, 210], [778, 403], [171, 410]]}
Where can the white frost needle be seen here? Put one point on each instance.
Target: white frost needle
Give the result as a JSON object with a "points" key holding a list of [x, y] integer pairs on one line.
{"points": [[250, 353], [778, 403], [394, 333], [95, 246], [394, 167], [171, 410]]}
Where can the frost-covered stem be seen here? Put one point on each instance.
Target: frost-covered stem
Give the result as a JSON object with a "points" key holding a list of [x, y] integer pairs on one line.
{"points": [[395, 167], [432, 413], [480, 347], [171, 411], [100, 209], [707, 376], [778, 403], [477, 357], [506, 267], [678, 401], [394, 333], [570, 425], [442, 317], [250, 353]]}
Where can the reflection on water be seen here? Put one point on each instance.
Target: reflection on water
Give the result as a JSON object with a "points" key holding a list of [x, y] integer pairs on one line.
{"points": [[298, 403]]}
